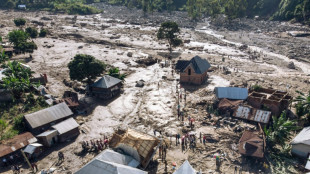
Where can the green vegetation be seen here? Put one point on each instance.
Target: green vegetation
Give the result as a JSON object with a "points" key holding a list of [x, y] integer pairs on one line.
{"points": [[19, 22], [43, 32], [169, 31], [114, 72], [303, 106], [68, 6], [277, 150], [3, 57], [17, 79], [3, 126], [32, 32], [19, 38], [273, 9], [85, 67]]}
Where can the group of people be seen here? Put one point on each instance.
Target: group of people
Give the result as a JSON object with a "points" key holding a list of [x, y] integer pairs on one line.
{"points": [[96, 145]]}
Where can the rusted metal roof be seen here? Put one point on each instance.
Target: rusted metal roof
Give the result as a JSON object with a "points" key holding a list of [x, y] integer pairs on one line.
{"points": [[225, 104], [66, 126], [252, 114], [16, 143], [48, 115], [252, 144]]}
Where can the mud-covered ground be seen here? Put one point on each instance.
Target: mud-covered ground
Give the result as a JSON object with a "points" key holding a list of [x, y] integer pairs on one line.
{"points": [[259, 54]]}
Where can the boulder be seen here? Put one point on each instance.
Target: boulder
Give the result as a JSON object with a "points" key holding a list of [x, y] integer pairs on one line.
{"points": [[140, 83], [291, 65], [129, 54]]}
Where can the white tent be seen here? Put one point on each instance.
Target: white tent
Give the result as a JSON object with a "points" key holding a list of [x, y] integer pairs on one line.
{"points": [[185, 168]]}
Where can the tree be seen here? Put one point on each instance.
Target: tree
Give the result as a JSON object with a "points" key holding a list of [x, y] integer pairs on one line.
{"points": [[114, 72], [3, 126], [280, 130], [3, 56], [85, 67], [235, 8], [43, 32], [170, 31], [32, 32], [19, 38], [19, 21], [17, 79]]}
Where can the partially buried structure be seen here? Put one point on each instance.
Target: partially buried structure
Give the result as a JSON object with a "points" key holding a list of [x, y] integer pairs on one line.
{"points": [[252, 143], [106, 87], [42, 120], [12, 146], [111, 162], [138, 145], [193, 71]]}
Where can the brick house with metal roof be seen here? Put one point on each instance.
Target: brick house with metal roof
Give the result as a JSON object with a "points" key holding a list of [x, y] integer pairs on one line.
{"points": [[193, 71]]}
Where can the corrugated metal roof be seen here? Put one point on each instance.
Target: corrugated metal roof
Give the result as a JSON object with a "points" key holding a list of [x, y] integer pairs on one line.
{"points": [[106, 82], [104, 167], [32, 147], [47, 133], [200, 65], [303, 137], [66, 126], [48, 115], [16, 143], [252, 114], [111, 162], [231, 93]]}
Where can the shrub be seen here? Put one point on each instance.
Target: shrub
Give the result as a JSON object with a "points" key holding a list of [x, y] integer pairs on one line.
{"points": [[19, 21], [33, 32], [43, 32], [18, 123]]}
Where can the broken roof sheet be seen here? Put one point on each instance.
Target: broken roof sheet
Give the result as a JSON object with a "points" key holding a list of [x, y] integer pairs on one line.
{"points": [[136, 144], [106, 82], [48, 115], [252, 144], [231, 93], [227, 104], [16, 143], [66, 126], [185, 168], [252, 114], [303, 137]]}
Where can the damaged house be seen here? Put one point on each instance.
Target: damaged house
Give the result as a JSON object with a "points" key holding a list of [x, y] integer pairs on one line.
{"points": [[269, 99], [193, 71], [138, 145], [12, 146]]}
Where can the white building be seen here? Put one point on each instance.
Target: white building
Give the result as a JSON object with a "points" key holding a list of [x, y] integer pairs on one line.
{"points": [[301, 143]]}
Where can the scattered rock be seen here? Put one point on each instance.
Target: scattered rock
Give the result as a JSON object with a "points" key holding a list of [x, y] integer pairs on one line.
{"points": [[291, 65], [140, 83], [129, 54]]}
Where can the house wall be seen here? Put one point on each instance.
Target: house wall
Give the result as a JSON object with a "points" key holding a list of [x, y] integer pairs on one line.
{"points": [[106, 93], [301, 150], [70, 134], [48, 140], [193, 78]]}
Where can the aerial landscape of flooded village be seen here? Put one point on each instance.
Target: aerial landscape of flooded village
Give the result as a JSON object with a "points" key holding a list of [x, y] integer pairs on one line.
{"points": [[140, 87]]}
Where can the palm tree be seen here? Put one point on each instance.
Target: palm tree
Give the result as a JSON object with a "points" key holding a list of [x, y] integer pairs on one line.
{"points": [[303, 104], [280, 130]]}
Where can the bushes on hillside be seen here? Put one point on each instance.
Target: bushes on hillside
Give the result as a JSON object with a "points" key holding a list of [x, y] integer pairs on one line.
{"points": [[19, 21]]}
